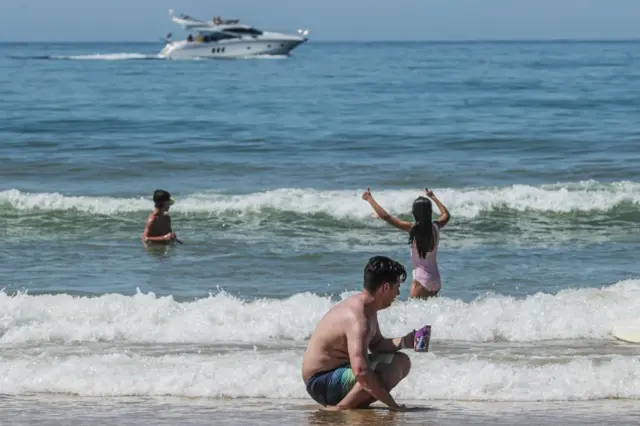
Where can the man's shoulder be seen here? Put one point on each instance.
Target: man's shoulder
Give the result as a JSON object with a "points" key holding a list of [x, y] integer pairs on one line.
{"points": [[347, 309], [356, 310], [356, 302]]}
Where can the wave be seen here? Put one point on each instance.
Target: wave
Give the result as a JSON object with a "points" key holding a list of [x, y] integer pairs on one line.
{"points": [[276, 375], [580, 213], [224, 319], [223, 347], [467, 203]]}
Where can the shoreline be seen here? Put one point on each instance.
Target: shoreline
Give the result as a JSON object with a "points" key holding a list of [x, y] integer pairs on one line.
{"points": [[45, 409]]}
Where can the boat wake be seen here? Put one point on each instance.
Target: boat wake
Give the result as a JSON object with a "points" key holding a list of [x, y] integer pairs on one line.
{"points": [[94, 57], [133, 57]]}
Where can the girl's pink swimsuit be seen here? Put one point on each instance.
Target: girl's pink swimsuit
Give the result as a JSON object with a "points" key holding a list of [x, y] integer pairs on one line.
{"points": [[425, 271]]}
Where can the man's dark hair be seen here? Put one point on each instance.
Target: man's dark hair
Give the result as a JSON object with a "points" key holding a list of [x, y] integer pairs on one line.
{"points": [[380, 270]]}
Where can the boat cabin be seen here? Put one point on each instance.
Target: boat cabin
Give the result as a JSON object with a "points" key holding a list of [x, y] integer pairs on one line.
{"points": [[225, 32]]}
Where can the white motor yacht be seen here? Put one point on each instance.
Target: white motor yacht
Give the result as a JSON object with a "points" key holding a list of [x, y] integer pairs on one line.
{"points": [[228, 39]]}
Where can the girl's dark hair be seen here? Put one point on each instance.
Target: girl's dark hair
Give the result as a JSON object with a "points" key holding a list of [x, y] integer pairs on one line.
{"points": [[422, 230]]}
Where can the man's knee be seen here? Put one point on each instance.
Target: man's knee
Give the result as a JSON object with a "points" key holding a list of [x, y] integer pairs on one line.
{"points": [[402, 363]]}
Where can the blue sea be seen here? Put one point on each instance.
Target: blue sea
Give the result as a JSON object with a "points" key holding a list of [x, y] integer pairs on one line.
{"points": [[534, 147]]}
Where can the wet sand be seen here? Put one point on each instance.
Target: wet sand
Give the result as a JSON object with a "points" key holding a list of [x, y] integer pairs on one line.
{"points": [[69, 410]]}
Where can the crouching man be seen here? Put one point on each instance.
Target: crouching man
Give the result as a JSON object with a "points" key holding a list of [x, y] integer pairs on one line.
{"points": [[337, 368]]}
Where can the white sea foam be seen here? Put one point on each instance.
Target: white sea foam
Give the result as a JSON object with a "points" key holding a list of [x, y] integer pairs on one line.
{"points": [[142, 347], [107, 57], [466, 203], [276, 375], [221, 318]]}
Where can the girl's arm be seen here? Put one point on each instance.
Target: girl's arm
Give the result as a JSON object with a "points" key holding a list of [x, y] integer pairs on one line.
{"points": [[444, 218], [382, 213]]}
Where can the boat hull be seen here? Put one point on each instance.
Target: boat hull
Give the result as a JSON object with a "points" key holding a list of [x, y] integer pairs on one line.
{"points": [[229, 48]]}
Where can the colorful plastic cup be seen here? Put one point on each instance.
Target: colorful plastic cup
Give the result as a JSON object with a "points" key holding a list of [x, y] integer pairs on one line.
{"points": [[421, 339]]}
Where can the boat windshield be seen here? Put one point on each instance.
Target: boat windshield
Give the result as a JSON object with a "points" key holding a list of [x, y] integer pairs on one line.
{"points": [[244, 31], [218, 36]]}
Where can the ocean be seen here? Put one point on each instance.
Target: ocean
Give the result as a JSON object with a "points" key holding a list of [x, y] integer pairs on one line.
{"points": [[534, 147]]}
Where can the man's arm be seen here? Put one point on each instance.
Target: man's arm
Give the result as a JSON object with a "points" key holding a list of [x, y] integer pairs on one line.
{"points": [[382, 344], [357, 347]]}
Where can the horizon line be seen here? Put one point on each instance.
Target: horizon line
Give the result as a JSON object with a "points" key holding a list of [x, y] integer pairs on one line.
{"points": [[477, 40]]}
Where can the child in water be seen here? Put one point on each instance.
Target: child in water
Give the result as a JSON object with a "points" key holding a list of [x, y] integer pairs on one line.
{"points": [[158, 227], [424, 236]]}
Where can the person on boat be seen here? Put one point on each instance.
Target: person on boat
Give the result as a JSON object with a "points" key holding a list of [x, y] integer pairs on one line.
{"points": [[190, 38], [424, 237], [337, 369], [158, 227], [217, 20]]}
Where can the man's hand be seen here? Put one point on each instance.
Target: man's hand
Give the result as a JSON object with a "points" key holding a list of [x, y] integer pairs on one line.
{"points": [[401, 407], [409, 340]]}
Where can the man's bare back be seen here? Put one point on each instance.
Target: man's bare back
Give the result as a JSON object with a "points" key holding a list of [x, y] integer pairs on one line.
{"points": [[327, 347]]}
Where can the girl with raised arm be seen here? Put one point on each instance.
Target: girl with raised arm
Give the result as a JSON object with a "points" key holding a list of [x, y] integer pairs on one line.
{"points": [[424, 236]]}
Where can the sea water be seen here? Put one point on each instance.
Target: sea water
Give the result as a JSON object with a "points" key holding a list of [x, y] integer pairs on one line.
{"points": [[533, 147]]}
